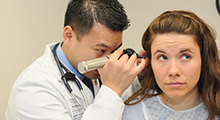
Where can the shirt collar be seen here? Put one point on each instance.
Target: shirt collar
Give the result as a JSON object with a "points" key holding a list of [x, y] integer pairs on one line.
{"points": [[62, 58]]}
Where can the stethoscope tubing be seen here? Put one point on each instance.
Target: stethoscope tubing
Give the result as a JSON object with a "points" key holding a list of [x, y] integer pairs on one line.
{"points": [[65, 80]]}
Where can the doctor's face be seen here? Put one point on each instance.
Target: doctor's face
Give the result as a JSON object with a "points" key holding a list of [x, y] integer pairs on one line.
{"points": [[176, 63], [99, 42]]}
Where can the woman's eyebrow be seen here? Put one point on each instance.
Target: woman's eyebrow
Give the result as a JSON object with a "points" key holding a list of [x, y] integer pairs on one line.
{"points": [[159, 51], [186, 50]]}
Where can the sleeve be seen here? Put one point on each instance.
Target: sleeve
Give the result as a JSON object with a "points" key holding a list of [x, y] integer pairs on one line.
{"points": [[131, 89], [107, 106], [36, 100]]}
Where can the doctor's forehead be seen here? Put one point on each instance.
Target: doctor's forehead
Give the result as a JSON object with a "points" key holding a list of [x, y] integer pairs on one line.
{"points": [[106, 46]]}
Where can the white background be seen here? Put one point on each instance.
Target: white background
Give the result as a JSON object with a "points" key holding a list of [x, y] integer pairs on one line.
{"points": [[26, 26]]}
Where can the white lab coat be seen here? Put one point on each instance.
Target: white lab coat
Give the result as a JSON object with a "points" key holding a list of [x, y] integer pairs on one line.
{"points": [[39, 94]]}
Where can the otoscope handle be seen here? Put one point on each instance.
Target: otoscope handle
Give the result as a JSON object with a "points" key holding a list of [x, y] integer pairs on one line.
{"points": [[86, 66]]}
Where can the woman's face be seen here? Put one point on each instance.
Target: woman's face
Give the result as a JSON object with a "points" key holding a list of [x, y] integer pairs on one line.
{"points": [[176, 63]]}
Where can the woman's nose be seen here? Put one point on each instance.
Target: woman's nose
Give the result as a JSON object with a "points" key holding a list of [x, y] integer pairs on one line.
{"points": [[174, 69]]}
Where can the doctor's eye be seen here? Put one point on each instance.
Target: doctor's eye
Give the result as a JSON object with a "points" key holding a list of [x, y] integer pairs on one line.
{"points": [[100, 50]]}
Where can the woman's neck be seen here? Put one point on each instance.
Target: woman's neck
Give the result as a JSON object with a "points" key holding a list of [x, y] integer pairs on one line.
{"points": [[182, 103]]}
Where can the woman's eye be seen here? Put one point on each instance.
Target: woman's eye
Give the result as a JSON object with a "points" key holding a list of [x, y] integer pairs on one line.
{"points": [[162, 58], [186, 57]]}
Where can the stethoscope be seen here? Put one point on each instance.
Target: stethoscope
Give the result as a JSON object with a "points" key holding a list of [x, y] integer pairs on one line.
{"points": [[69, 76]]}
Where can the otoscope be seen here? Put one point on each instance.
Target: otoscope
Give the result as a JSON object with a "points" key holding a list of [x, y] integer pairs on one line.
{"points": [[86, 66]]}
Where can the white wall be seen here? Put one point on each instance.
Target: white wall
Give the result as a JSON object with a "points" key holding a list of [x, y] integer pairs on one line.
{"points": [[26, 26], [142, 12]]}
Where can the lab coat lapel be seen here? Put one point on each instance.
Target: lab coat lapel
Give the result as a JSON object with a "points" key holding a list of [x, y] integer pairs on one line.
{"points": [[77, 92], [49, 57]]}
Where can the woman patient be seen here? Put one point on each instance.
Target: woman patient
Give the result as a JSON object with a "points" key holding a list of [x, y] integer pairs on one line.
{"points": [[183, 81]]}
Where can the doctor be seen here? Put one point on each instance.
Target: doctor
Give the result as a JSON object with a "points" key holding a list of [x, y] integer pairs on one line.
{"points": [[50, 88]]}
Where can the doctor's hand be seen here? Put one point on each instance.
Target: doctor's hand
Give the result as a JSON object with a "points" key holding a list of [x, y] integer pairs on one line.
{"points": [[142, 74], [119, 72]]}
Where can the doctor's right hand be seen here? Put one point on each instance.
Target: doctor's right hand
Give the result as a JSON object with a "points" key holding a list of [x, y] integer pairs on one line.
{"points": [[119, 71]]}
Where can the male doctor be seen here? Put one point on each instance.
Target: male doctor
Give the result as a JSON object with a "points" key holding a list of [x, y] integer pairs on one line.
{"points": [[92, 29]]}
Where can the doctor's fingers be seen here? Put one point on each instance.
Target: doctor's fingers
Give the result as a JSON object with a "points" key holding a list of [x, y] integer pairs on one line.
{"points": [[140, 66], [116, 55], [124, 62], [139, 60], [143, 53], [131, 61], [129, 69], [123, 59]]}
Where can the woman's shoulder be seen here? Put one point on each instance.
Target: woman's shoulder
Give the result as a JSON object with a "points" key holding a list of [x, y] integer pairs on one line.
{"points": [[132, 112], [135, 111]]}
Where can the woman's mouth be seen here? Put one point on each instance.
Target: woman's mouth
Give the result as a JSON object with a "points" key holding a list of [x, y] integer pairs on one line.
{"points": [[175, 84]]}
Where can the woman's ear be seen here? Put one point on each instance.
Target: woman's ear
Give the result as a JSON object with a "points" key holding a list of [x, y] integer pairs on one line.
{"points": [[68, 35]]}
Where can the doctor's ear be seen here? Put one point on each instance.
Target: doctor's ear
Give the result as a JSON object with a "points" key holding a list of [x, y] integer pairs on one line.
{"points": [[68, 35]]}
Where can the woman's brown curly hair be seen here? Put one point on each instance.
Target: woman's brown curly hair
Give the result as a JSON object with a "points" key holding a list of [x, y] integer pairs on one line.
{"points": [[186, 23]]}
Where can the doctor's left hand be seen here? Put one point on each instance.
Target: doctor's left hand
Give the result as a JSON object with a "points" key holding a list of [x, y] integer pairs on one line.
{"points": [[119, 72]]}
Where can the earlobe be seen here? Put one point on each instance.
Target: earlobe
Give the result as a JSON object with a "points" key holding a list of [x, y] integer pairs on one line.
{"points": [[68, 35]]}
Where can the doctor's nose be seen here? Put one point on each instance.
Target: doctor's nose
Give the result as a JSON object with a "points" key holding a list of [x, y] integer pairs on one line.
{"points": [[174, 69]]}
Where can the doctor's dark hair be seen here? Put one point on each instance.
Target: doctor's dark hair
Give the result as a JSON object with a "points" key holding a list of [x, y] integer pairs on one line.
{"points": [[186, 23], [81, 15]]}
